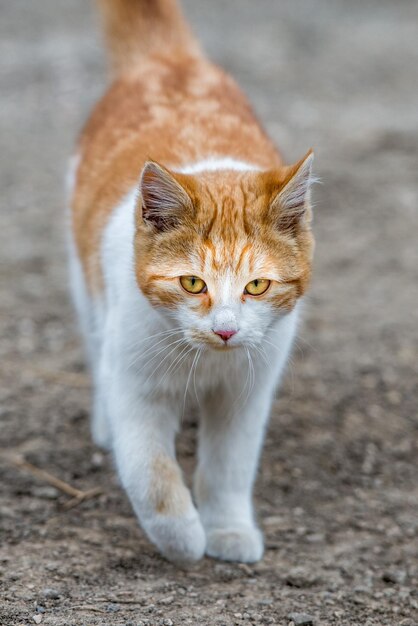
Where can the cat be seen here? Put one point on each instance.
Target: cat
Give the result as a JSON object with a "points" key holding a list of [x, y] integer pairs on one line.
{"points": [[191, 248]]}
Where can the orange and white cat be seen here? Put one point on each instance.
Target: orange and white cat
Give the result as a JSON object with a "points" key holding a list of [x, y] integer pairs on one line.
{"points": [[191, 248]]}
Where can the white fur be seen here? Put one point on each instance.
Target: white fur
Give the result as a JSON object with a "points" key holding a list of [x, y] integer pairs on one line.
{"points": [[144, 381], [214, 164]]}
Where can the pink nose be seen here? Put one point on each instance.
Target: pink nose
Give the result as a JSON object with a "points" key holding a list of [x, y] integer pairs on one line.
{"points": [[225, 334]]}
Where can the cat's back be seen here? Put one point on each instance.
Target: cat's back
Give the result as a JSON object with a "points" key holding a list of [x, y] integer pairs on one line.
{"points": [[169, 104], [175, 112]]}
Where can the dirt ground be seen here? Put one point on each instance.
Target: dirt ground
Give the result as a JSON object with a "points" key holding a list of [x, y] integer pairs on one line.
{"points": [[337, 493]]}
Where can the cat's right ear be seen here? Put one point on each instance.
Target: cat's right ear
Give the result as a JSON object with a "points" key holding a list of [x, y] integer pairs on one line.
{"points": [[163, 202]]}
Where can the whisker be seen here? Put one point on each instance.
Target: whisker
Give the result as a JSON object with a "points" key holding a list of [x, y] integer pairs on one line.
{"points": [[163, 334], [261, 352], [177, 361], [148, 350], [194, 378], [290, 363], [252, 377], [232, 412], [138, 359], [159, 334], [187, 383], [271, 343], [174, 365], [163, 360]]}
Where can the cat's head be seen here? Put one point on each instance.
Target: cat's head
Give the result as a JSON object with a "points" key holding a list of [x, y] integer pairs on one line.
{"points": [[227, 252]]}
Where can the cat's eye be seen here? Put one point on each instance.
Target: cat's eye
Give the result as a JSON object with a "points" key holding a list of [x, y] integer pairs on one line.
{"points": [[193, 284], [257, 287]]}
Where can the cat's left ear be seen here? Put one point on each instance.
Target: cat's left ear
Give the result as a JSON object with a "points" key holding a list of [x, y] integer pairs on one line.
{"points": [[291, 204], [163, 203]]}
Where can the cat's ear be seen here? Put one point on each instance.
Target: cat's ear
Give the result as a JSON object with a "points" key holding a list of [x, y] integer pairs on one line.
{"points": [[163, 201], [291, 204]]}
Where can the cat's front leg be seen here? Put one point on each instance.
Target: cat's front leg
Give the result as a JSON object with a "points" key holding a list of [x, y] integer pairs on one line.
{"points": [[230, 440], [143, 434]]}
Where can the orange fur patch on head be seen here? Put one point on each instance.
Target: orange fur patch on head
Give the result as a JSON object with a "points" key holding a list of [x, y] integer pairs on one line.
{"points": [[238, 226]]}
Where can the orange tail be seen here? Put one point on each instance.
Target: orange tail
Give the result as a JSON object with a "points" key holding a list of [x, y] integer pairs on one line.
{"points": [[135, 28]]}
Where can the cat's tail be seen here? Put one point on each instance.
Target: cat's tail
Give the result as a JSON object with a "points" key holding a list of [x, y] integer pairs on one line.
{"points": [[135, 28]]}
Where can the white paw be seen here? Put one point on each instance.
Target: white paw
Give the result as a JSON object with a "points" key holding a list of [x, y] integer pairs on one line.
{"points": [[244, 544], [179, 539]]}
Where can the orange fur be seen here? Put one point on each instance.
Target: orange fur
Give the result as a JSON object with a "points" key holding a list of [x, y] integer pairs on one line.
{"points": [[171, 104], [167, 492], [238, 238], [135, 28]]}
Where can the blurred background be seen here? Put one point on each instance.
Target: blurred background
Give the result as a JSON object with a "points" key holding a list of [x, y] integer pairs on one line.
{"points": [[337, 493]]}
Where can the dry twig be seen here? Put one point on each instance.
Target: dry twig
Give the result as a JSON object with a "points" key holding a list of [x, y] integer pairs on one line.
{"points": [[84, 495], [78, 495]]}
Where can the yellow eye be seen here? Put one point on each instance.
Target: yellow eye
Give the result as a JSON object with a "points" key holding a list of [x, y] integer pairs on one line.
{"points": [[192, 284], [257, 287]]}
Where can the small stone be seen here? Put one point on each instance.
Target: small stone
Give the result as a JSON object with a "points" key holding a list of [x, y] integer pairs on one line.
{"points": [[46, 493], [51, 567], [97, 459], [40, 609], [166, 601], [50, 593], [37, 618], [358, 600], [301, 619], [301, 577], [168, 622], [396, 577], [113, 608], [315, 538]]}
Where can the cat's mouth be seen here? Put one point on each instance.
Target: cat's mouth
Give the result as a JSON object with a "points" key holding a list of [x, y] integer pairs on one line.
{"points": [[225, 346], [214, 341]]}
